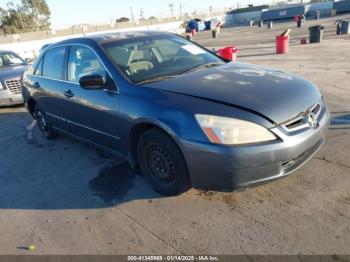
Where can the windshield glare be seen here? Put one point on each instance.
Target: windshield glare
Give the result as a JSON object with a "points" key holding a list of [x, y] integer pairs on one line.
{"points": [[152, 58], [10, 59]]}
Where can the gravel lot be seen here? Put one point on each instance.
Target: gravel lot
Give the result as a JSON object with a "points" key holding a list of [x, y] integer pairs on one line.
{"points": [[68, 198]]}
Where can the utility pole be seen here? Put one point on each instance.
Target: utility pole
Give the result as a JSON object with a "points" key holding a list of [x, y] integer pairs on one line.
{"points": [[132, 14], [141, 13], [181, 8], [171, 7]]}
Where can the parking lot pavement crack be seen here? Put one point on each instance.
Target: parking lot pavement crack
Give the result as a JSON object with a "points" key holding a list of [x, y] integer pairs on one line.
{"points": [[250, 217], [332, 162], [148, 231]]}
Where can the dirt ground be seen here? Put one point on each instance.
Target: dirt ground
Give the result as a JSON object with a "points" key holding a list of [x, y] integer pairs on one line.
{"points": [[68, 198]]}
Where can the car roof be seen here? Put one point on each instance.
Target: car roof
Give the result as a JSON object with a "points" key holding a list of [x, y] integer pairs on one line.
{"points": [[124, 35], [110, 37]]}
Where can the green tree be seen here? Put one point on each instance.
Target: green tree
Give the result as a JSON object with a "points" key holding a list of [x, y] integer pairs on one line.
{"points": [[39, 12], [11, 22], [32, 15]]}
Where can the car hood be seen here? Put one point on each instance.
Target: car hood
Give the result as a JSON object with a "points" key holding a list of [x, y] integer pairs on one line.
{"points": [[12, 72], [276, 95]]}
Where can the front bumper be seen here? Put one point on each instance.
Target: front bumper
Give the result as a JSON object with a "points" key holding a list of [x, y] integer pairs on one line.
{"points": [[7, 98], [217, 167]]}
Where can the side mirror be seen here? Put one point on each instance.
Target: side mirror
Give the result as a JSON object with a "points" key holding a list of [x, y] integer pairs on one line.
{"points": [[92, 82]]}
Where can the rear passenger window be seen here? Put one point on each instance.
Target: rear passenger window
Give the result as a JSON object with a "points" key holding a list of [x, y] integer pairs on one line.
{"points": [[53, 63]]}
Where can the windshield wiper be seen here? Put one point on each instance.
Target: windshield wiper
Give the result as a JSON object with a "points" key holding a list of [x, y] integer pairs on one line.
{"points": [[207, 66], [161, 78], [156, 79]]}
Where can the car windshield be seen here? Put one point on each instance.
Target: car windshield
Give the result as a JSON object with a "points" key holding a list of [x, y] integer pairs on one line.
{"points": [[10, 59], [156, 58]]}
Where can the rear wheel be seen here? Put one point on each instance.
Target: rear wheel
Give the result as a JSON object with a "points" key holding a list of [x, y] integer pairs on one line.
{"points": [[44, 126], [162, 163]]}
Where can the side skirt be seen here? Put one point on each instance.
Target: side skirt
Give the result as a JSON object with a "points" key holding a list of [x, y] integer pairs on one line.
{"points": [[109, 151]]}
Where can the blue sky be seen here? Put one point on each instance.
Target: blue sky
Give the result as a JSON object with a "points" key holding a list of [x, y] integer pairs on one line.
{"points": [[66, 13]]}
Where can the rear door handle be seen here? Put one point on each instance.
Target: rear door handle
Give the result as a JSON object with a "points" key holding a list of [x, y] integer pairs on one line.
{"points": [[69, 94], [36, 85]]}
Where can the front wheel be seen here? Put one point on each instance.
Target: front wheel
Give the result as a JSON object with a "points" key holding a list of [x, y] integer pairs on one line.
{"points": [[162, 163], [44, 126]]}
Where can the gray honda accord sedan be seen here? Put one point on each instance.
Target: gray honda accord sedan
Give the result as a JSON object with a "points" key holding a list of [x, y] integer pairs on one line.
{"points": [[183, 115]]}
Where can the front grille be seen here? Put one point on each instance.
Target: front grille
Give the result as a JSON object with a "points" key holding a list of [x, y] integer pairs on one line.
{"points": [[302, 121], [316, 110], [14, 86]]}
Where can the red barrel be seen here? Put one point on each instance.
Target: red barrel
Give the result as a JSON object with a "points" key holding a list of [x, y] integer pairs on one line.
{"points": [[282, 44], [194, 32], [229, 53]]}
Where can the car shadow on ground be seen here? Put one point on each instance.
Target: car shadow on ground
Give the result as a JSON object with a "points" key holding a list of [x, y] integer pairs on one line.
{"points": [[121, 183], [41, 174], [340, 122]]}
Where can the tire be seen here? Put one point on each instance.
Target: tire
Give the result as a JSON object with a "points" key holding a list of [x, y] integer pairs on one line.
{"points": [[44, 126], [162, 163]]}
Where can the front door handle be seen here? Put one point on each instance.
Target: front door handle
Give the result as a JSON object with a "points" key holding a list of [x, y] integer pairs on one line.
{"points": [[36, 85], [69, 94]]}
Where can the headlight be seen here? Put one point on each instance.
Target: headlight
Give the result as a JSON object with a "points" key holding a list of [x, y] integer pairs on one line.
{"points": [[231, 131]]}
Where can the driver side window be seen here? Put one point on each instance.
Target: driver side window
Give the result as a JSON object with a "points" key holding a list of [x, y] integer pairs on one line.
{"points": [[81, 62]]}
